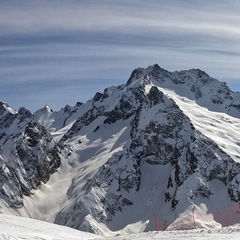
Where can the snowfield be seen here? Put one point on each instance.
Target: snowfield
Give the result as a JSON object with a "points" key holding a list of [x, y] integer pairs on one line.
{"points": [[232, 233], [18, 228], [12, 228]]}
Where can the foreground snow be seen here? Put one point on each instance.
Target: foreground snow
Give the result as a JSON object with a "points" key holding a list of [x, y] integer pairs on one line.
{"points": [[14, 228], [198, 234]]}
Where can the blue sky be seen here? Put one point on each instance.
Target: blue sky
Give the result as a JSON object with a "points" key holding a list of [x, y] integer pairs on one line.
{"points": [[60, 52]]}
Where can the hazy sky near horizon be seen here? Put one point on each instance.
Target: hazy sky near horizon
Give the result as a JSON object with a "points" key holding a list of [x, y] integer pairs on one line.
{"points": [[59, 52]]}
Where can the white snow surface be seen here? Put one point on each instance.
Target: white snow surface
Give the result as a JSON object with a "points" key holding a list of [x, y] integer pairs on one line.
{"points": [[197, 234], [19, 228], [220, 127], [13, 228]]}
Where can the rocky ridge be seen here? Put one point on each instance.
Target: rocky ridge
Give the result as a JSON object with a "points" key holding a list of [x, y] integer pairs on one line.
{"points": [[28, 155], [133, 147]]}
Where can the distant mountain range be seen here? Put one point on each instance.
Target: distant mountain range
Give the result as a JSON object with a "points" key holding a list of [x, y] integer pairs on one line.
{"points": [[159, 145]]}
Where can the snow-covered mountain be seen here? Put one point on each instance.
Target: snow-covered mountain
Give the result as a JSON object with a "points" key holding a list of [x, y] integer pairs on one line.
{"points": [[28, 155], [137, 156]]}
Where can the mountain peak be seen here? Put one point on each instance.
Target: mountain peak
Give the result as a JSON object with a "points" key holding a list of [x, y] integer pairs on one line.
{"points": [[24, 113], [4, 107], [196, 74], [199, 72], [45, 109], [155, 68], [155, 71]]}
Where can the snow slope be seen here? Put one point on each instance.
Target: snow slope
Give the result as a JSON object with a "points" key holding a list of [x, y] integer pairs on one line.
{"points": [[13, 228], [198, 234], [18, 228], [220, 127]]}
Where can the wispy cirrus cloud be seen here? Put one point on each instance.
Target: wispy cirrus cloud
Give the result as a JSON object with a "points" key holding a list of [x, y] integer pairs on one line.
{"points": [[59, 44]]}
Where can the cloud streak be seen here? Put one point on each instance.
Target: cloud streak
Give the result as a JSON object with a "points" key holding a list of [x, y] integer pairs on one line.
{"points": [[61, 44]]}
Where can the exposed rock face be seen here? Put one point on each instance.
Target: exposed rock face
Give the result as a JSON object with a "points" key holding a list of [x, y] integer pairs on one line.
{"points": [[38, 153], [28, 155]]}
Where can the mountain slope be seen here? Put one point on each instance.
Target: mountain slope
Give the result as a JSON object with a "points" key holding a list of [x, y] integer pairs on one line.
{"points": [[28, 155], [160, 144], [13, 228], [161, 141]]}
